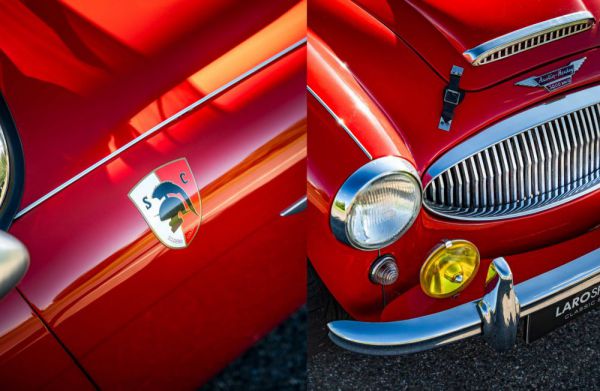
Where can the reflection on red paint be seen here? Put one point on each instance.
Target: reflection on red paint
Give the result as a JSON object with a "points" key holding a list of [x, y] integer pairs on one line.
{"points": [[288, 28], [155, 26], [272, 39], [18, 24]]}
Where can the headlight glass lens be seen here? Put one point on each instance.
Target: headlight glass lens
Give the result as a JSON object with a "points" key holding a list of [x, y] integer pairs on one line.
{"points": [[383, 210], [449, 269]]}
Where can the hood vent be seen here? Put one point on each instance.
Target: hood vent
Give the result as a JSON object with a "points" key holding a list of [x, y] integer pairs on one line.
{"points": [[530, 37]]}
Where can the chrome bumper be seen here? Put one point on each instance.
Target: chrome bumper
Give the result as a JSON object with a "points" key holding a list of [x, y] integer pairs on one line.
{"points": [[496, 315]]}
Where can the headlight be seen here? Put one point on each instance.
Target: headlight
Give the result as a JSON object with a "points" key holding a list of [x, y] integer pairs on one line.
{"points": [[376, 204]]}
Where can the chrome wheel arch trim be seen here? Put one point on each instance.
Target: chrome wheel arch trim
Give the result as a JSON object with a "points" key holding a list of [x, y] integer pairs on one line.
{"points": [[505, 129], [496, 44], [163, 124], [340, 122]]}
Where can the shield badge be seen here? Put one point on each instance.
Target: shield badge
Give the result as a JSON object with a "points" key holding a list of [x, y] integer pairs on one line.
{"points": [[169, 200]]}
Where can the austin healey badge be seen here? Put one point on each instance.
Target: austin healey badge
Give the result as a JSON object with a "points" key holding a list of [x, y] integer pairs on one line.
{"points": [[555, 79], [169, 200]]}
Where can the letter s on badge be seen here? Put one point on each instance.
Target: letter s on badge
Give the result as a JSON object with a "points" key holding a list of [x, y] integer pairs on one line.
{"points": [[169, 200]]}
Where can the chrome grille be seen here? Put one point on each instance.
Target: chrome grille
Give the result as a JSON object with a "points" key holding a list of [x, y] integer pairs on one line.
{"points": [[530, 37], [539, 167]]}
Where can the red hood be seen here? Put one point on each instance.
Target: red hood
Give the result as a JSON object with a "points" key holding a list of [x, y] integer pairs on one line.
{"points": [[408, 92], [441, 31]]}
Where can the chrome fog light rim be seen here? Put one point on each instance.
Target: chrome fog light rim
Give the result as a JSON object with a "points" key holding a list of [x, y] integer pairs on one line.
{"points": [[360, 180]]}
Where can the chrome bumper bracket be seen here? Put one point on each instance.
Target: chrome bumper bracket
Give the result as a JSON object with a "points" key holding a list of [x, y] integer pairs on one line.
{"points": [[499, 309]]}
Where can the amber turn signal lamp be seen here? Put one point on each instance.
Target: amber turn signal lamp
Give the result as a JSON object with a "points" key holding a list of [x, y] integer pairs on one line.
{"points": [[449, 268]]}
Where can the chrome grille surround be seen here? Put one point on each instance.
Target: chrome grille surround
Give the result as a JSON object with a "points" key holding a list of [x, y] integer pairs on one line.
{"points": [[535, 160], [530, 37]]}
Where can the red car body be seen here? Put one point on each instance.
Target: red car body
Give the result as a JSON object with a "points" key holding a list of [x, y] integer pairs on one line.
{"points": [[104, 303], [381, 67]]}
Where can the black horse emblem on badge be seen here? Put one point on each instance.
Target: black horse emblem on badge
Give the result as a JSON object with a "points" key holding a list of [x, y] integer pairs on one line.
{"points": [[171, 205]]}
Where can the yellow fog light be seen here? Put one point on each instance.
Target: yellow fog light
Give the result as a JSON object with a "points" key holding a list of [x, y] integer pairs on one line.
{"points": [[449, 268]]}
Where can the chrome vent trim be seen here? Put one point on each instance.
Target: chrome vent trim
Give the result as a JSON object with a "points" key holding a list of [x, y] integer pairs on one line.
{"points": [[530, 37], [535, 160]]}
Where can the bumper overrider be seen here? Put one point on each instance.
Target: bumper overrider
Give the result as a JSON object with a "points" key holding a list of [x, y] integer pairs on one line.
{"points": [[495, 316]]}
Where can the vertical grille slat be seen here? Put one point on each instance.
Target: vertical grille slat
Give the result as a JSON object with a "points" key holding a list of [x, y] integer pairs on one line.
{"points": [[536, 168], [459, 185], [528, 164], [532, 168], [542, 154], [580, 148], [593, 151], [490, 179], [475, 183], [596, 127], [467, 190], [587, 143], [568, 151], [498, 177], [512, 171], [549, 159], [575, 146]]}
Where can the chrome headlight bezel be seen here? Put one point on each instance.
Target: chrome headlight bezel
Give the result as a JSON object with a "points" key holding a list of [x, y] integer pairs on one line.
{"points": [[360, 180], [5, 166], [11, 152]]}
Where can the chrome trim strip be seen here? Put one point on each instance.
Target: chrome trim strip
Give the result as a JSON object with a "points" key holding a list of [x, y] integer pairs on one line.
{"points": [[296, 207], [474, 54], [162, 124], [427, 332], [340, 122], [505, 129]]}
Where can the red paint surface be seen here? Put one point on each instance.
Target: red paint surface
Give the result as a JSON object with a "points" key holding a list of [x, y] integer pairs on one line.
{"points": [[30, 357], [81, 82], [76, 76], [379, 65]]}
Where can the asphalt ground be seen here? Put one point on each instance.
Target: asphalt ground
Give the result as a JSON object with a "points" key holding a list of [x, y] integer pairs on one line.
{"points": [[277, 362], [567, 358]]}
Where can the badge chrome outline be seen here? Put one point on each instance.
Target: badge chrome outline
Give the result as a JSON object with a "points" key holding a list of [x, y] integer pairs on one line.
{"points": [[197, 210], [555, 79]]}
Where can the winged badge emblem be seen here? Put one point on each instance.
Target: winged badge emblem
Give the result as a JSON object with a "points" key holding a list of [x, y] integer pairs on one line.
{"points": [[555, 79]]}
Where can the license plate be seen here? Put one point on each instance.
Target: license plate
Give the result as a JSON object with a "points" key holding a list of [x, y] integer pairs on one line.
{"points": [[545, 320]]}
